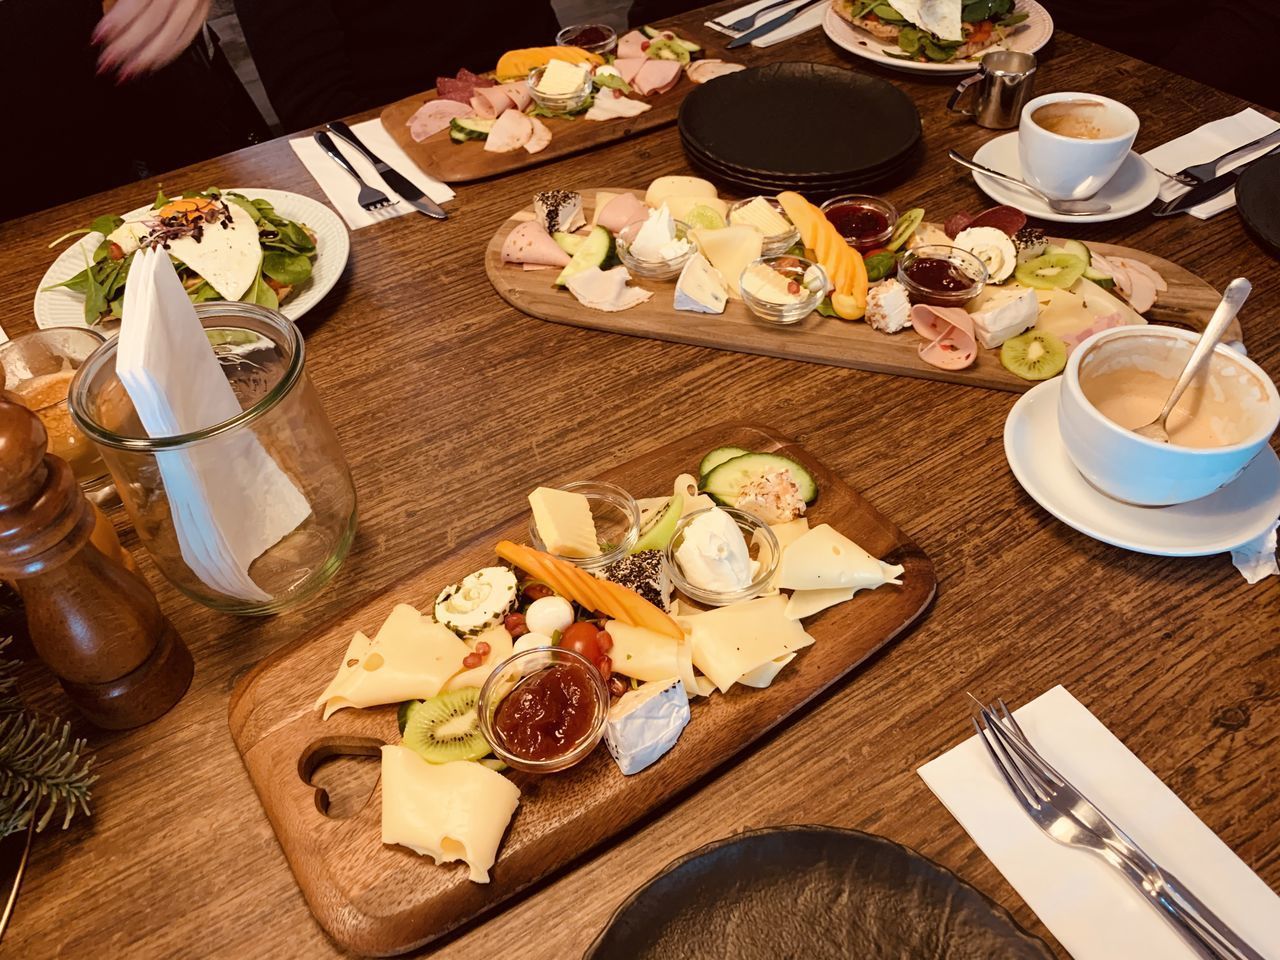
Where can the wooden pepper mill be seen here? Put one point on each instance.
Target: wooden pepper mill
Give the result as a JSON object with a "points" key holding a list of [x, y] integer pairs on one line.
{"points": [[93, 621]]}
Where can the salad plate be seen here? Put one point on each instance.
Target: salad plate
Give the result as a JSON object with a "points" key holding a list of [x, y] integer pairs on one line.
{"points": [[60, 307], [1236, 514], [1027, 37]]}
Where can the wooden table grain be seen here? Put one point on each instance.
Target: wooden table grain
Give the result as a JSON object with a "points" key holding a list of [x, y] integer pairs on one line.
{"points": [[450, 406]]}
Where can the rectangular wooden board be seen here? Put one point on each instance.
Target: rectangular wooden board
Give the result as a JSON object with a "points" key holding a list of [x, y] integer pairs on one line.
{"points": [[1188, 303], [383, 900]]}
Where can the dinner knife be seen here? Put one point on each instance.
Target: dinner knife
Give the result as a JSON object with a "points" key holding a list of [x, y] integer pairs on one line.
{"points": [[771, 25], [397, 181], [1207, 190]]}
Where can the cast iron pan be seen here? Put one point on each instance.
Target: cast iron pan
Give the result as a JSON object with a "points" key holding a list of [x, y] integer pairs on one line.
{"points": [[1258, 197], [800, 119], [810, 893]]}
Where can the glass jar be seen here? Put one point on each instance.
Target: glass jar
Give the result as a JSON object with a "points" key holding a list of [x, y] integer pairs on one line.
{"points": [[263, 357]]}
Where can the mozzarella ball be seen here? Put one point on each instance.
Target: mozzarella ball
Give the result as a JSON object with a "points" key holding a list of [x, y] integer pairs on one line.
{"points": [[548, 615], [529, 641]]}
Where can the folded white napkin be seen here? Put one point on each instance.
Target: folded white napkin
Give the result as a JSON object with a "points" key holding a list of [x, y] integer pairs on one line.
{"points": [[802, 23], [342, 190], [1256, 559], [1202, 145], [1086, 903]]}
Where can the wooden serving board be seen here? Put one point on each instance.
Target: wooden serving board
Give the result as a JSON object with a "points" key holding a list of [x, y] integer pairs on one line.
{"points": [[1188, 303], [383, 900]]}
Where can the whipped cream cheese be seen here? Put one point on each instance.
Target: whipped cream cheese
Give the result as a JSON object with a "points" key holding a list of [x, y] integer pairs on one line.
{"points": [[713, 553], [656, 239]]}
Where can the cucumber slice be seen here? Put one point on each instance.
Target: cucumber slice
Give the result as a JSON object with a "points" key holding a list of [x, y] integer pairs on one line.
{"points": [[596, 251], [568, 242], [725, 482], [469, 128], [651, 32], [718, 456], [1077, 249]]}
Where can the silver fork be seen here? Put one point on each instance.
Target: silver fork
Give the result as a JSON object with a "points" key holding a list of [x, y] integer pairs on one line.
{"points": [[749, 21], [369, 197], [1204, 172], [1069, 817]]}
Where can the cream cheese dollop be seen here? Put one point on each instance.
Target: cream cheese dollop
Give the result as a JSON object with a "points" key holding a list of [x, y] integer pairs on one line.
{"points": [[656, 239], [713, 553]]}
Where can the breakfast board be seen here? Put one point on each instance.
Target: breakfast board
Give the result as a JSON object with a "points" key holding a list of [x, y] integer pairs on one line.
{"points": [[382, 900], [1189, 302]]}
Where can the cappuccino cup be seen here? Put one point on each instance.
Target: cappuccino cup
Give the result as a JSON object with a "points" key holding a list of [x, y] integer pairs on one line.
{"points": [[1071, 144]]}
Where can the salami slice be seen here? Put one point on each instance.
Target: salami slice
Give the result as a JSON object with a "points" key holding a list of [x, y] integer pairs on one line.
{"points": [[450, 88], [950, 343], [955, 223], [474, 78], [1006, 219]]}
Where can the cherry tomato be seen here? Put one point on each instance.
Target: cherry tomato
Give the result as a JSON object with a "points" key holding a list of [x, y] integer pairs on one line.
{"points": [[872, 253], [584, 638], [514, 622]]}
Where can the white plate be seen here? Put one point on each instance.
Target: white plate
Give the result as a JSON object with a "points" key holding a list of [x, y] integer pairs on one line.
{"points": [[1239, 512], [1130, 191], [1027, 37], [63, 308]]}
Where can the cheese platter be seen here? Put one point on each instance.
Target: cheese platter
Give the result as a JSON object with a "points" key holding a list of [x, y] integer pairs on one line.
{"points": [[691, 666], [701, 282]]}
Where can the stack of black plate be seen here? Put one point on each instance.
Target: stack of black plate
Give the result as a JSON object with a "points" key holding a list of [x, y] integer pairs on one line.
{"points": [[808, 127]]}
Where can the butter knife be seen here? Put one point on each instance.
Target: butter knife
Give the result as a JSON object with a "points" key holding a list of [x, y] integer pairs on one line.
{"points": [[397, 181], [1208, 190], [772, 25]]}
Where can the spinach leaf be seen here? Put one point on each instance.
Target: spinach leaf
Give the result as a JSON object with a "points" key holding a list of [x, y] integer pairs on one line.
{"points": [[609, 80], [862, 7], [296, 237], [202, 292], [888, 14], [105, 224], [909, 39], [880, 265], [243, 203], [938, 53], [1012, 20], [262, 294], [77, 284], [825, 308], [286, 268]]}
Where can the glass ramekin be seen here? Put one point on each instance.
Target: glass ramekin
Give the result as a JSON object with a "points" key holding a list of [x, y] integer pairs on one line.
{"points": [[653, 269], [617, 520], [813, 283], [507, 676], [965, 263], [766, 554], [864, 244], [607, 45], [778, 243], [559, 104]]}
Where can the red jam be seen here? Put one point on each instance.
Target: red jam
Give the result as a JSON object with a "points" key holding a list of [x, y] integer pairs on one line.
{"points": [[548, 714], [862, 226], [938, 276], [589, 36]]}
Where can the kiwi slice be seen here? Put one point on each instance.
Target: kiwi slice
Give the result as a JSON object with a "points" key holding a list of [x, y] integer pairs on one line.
{"points": [[446, 727], [1051, 271], [661, 527], [1036, 355], [700, 215], [402, 715], [667, 50]]}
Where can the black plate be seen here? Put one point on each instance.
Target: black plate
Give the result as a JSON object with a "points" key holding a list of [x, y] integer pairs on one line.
{"points": [[870, 173], [814, 190], [1258, 197], [800, 119], [814, 893]]}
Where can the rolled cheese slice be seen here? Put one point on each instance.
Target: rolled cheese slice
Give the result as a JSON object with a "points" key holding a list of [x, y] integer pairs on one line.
{"points": [[733, 642], [410, 658], [642, 653], [823, 559], [446, 811]]}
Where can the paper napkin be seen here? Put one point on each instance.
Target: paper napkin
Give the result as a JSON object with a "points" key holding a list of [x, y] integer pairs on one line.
{"points": [[802, 23], [229, 499], [1090, 908], [1203, 144], [1256, 559], [342, 190]]}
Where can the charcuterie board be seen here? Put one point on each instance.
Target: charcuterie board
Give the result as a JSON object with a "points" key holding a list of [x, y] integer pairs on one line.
{"points": [[1189, 302], [383, 900]]}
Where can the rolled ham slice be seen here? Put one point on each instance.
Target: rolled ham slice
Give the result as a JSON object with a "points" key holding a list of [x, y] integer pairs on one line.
{"points": [[631, 44], [623, 209], [948, 332], [519, 94], [434, 116], [629, 66], [498, 97], [540, 138], [657, 76], [483, 108], [510, 132], [529, 243]]}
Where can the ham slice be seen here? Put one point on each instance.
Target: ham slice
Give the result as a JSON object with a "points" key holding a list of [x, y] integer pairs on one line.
{"points": [[483, 108], [623, 209], [519, 94], [948, 332], [703, 71], [540, 138], [498, 97], [434, 116], [510, 132], [609, 107], [629, 66], [631, 44], [529, 243], [606, 289], [657, 76]]}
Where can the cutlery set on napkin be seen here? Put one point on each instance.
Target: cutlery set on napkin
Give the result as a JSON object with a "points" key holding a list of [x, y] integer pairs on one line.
{"points": [[1201, 167]]}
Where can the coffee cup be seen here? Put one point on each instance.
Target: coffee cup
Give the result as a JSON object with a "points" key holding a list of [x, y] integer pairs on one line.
{"points": [[1120, 378], [1071, 144]]}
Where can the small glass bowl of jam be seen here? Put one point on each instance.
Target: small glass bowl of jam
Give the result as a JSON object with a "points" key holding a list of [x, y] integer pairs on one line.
{"points": [[592, 37], [941, 275], [543, 710], [864, 221], [616, 517]]}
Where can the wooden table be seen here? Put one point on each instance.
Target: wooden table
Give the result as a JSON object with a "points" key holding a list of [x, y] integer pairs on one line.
{"points": [[451, 406]]}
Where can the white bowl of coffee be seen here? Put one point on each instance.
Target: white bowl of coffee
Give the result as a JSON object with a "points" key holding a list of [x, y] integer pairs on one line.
{"points": [[1119, 380], [1071, 144]]}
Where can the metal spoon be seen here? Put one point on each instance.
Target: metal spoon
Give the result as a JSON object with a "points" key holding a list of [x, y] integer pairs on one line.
{"points": [[1069, 208], [1232, 299]]}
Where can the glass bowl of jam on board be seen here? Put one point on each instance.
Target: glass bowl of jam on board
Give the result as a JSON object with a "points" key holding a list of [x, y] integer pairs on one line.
{"points": [[941, 275], [592, 37], [864, 221], [543, 710]]}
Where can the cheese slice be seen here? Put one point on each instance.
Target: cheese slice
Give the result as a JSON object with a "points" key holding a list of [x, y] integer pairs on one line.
{"points": [[734, 641], [759, 213], [664, 188], [700, 287], [730, 250], [640, 653], [786, 534], [561, 79], [410, 658], [823, 559], [807, 603], [564, 523], [646, 723], [500, 647], [765, 674], [681, 206], [447, 811], [227, 257]]}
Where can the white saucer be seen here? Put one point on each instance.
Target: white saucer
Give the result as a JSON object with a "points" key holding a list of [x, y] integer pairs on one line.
{"points": [[1239, 512], [1130, 191]]}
